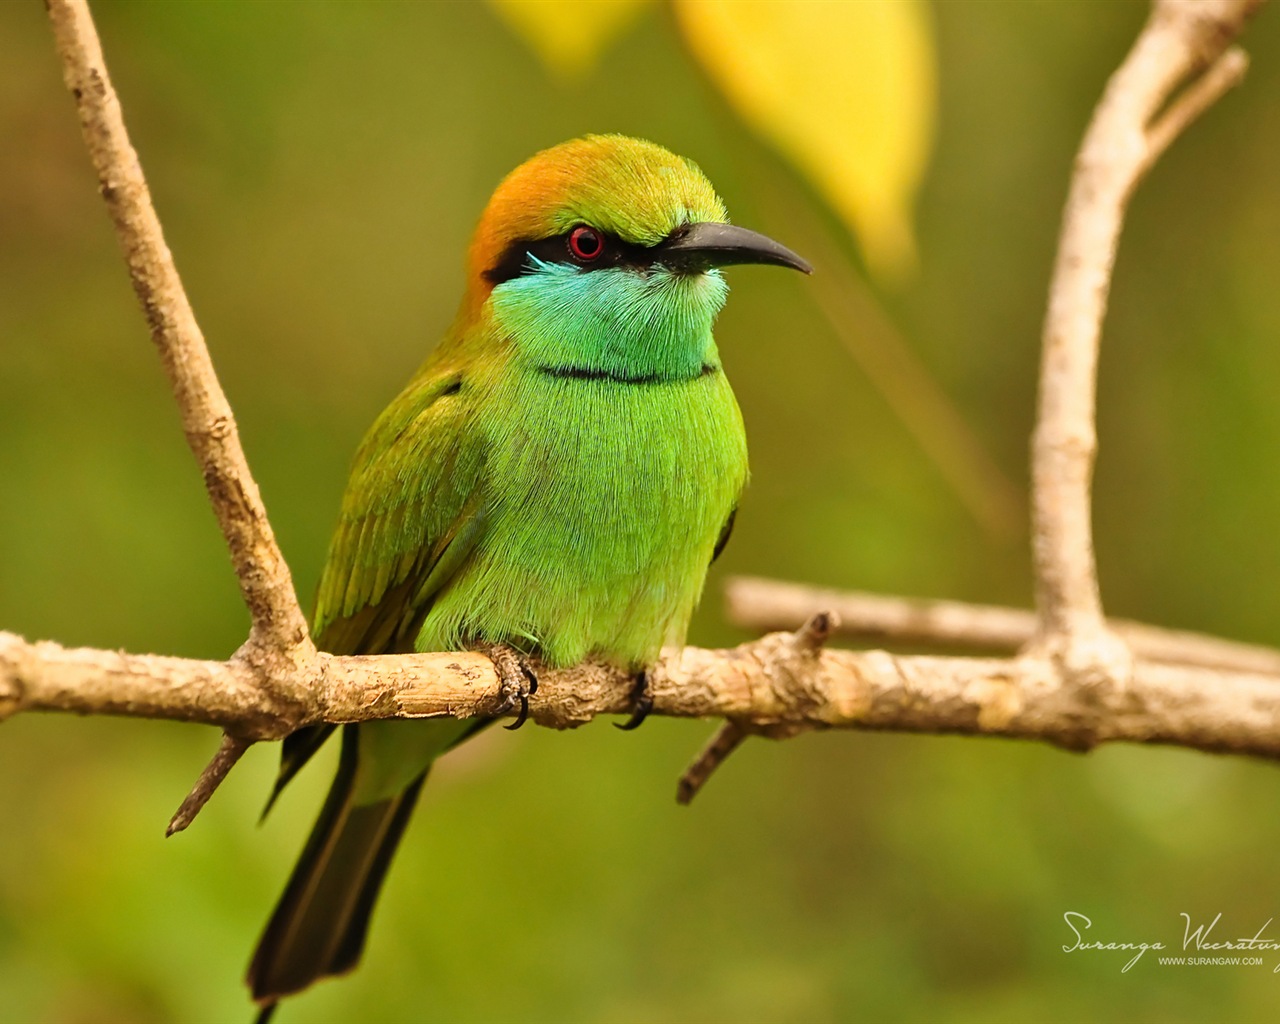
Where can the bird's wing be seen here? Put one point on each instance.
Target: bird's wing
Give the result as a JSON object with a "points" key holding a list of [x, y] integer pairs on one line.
{"points": [[411, 515], [726, 532]]}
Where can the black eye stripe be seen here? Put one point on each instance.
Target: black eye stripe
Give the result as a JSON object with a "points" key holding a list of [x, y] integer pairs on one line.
{"points": [[616, 253]]}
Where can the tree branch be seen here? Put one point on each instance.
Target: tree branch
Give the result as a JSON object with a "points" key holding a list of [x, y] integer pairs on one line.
{"points": [[279, 627], [776, 686], [726, 740], [230, 750], [1180, 38], [760, 604]]}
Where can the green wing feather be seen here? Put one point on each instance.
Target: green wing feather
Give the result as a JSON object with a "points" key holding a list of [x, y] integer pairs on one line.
{"points": [[412, 504], [412, 512]]}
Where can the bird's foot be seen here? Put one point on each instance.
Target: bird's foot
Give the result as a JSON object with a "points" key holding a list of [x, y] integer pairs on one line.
{"points": [[641, 703], [518, 682]]}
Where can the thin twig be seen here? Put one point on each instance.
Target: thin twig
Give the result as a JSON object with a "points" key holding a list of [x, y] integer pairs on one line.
{"points": [[1226, 73], [265, 582], [722, 744], [1179, 39], [760, 605], [229, 752], [807, 642]]}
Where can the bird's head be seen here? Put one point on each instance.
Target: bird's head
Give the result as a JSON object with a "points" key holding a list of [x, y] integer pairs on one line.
{"points": [[607, 248]]}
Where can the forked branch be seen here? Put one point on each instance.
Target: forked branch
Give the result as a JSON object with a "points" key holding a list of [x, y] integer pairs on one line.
{"points": [[1133, 124]]}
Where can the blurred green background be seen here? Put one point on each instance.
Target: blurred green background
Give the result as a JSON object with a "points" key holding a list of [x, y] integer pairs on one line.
{"points": [[318, 169]]}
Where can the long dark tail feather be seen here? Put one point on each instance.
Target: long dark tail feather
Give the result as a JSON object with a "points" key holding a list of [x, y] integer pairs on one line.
{"points": [[319, 926], [297, 749]]}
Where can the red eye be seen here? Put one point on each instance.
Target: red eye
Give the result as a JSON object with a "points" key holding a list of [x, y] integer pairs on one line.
{"points": [[586, 243]]}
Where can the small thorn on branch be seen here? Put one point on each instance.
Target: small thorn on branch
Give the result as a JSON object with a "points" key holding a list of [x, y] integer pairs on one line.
{"points": [[229, 752], [816, 631], [722, 744]]}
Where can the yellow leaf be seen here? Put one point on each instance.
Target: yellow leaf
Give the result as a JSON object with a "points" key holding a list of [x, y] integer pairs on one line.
{"points": [[567, 35], [845, 89]]}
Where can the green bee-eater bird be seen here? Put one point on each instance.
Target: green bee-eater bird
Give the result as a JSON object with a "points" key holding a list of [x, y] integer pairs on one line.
{"points": [[553, 482]]}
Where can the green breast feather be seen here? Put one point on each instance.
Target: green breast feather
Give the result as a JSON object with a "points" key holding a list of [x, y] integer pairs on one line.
{"points": [[584, 528]]}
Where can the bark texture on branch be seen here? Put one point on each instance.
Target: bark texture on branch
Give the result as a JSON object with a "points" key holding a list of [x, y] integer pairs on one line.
{"points": [[778, 685]]}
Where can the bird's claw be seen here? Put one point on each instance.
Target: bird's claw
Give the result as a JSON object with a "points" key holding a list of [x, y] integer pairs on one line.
{"points": [[641, 703], [517, 681]]}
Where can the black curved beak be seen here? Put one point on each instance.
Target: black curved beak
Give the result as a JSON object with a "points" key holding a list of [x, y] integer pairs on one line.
{"points": [[698, 247]]}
